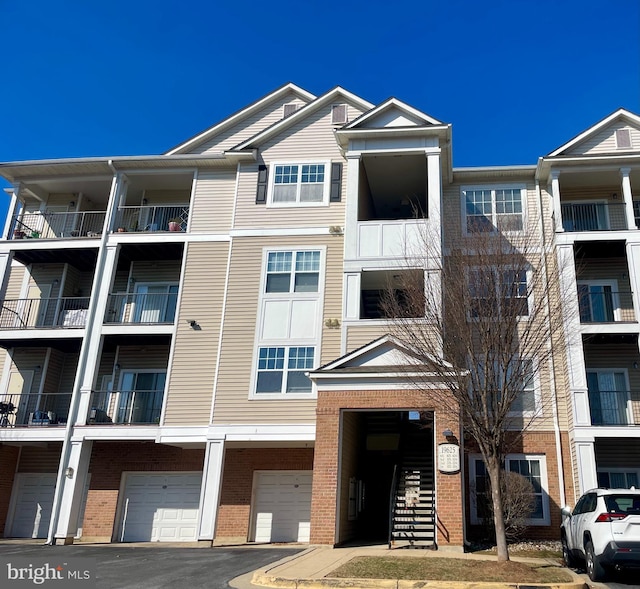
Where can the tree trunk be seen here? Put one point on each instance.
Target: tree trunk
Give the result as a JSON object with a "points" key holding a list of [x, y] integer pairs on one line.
{"points": [[493, 468]]}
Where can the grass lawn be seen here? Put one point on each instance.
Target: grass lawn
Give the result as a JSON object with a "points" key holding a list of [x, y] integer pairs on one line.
{"points": [[450, 569]]}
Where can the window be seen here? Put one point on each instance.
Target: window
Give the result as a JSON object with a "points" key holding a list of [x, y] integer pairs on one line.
{"points": [[491, 209], [289, 271], [281, 369], [531, 467], [598, 301], [608, 397], [618, 479], [299, 184], [526, 403], [498, 292]]}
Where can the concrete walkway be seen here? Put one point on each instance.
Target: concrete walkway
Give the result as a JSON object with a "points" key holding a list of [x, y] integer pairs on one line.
{"points": [[308, 570]]}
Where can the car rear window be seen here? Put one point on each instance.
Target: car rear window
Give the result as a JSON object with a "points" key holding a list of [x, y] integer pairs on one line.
{"points": [[622, 503]]}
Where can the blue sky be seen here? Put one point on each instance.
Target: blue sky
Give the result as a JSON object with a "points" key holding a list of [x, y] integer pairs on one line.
{"points": [[516, 78]]}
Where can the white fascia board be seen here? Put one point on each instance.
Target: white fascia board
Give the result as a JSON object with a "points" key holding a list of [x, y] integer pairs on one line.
{"points": [[182, 434], [282, 232], [389, 103], [32, 434], [43, 334], [240, 115], [621, 112], [114, 432], [590, 434], [615, 328], [135, 329], [279, 432], [301, 114]]}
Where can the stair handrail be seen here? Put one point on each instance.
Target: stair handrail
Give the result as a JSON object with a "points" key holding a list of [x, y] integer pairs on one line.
{"points": [[392, 501]]}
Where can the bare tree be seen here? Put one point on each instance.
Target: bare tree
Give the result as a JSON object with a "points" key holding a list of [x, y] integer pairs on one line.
{"points": [[491, 306]]}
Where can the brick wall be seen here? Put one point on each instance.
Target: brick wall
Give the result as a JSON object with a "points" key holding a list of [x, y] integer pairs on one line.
{"points": [[8, 461], [109, 460], [542, 443], [237, 484], [325, 473]]}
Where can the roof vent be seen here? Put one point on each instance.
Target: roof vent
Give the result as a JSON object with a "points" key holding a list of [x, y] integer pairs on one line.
{"points": [[290, 108], [623, 138], [338, 114]]}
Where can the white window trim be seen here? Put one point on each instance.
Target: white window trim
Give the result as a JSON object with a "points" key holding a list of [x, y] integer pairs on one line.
{"points": [[288, 205], [493, 188], [537, 393], [544, 482], [615, 293], [314, 342]]}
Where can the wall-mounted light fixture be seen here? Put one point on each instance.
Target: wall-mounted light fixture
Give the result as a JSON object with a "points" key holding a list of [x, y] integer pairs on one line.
{"points": [[332, 323], [193, 323], [117, 366], [69, 472], [335, 230], [447, 433], [72, 204], [144, 201]]}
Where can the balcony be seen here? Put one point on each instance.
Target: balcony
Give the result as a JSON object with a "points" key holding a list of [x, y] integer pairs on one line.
{"points": [[58, 225], [392, 238], [34, 410], [143, 308], [125, 407], [152, 218], [611, 408], [65, 312], [600, 304], [594, 216]]}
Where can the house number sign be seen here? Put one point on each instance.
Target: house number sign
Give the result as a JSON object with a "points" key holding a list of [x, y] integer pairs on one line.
{"points": [[448, 458]]}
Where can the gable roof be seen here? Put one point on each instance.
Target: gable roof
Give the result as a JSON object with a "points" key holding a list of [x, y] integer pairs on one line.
{"points": [[301, 114], [620, 114], [389, 105], [241, 115]]}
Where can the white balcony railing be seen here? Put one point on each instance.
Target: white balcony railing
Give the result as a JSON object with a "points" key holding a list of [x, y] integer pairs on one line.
{"points": [[390, 239]]}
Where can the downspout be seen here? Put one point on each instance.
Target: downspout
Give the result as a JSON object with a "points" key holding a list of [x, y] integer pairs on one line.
{"points": [[552, 380], [82, 360]]}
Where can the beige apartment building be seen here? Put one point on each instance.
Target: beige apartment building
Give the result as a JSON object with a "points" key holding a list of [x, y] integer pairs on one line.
{"points": [[192, 345]]}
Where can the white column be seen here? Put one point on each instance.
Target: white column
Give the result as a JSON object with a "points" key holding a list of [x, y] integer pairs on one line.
{"points": [[434, 204], [5, 271], [351, 206], [633, 262], [75, 472], [11, 212], [210, 491], [587, 474], [555, 193], [628, 197], [573, 335]]}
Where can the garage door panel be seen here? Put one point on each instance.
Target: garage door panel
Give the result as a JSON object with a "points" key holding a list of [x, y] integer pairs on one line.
{"points": [[32, 512], [282, 506], [161, 507]]}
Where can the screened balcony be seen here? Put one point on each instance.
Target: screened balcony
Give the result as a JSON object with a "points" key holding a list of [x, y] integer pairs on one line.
{"points": [[53, 225], [34, 409], [48, 313]]}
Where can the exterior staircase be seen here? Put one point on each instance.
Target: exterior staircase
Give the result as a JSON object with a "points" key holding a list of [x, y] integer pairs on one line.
{"points": [[412, 513]]}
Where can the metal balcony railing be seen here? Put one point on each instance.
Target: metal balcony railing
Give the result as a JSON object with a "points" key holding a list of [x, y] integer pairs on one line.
{"points": [[141, 308], [152, 218], [605, 306], [125, 407], [58, 225], [609, 408], [65, 312], [596, 216], [33, 410]]}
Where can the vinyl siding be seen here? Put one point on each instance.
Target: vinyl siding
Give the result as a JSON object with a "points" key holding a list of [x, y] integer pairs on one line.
{"points": [[232, 403], [362, 334], [39, 459], [605, 141], [25, 359], [193, 367], [311, 139], [166, 197], [213, 202], [614, 269], [157, 271], [14, 284], [608, 454], [267, 116]]}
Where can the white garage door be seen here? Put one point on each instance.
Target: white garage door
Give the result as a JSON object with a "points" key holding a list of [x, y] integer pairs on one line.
{"points": [[282, 510], [34, 500], [160, 507]]}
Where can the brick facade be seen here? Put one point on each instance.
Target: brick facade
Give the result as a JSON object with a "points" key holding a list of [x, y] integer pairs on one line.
{"points": [[234, 512], [325, 474], [109, 460]]}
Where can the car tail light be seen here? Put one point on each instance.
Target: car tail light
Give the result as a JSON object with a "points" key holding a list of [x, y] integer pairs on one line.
{"points": [[609, 517]]}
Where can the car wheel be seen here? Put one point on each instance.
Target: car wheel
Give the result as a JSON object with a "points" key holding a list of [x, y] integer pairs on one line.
{"points": [[594, 568], [569, 559]]}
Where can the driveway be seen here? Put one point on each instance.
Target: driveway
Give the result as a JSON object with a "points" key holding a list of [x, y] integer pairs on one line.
{"points": [[126, 566], [622, 580]]}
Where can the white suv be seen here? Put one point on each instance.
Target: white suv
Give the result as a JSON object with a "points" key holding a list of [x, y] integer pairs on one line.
{"points": [[603, 530]]}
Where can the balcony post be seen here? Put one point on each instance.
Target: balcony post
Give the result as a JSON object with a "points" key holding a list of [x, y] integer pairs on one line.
{"points": [[5, 270], [74, 476], [11, 212], [633, 260], [434, 201], [210, 489], [351, 236], [628, 197], [586, 456], [555, 194]]}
